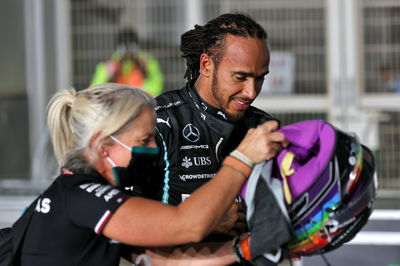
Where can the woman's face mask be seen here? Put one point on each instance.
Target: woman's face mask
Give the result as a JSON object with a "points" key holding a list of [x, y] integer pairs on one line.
{"points": [[141, 170]]}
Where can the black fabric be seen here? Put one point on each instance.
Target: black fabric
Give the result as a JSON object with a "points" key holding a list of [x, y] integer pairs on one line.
{"points": [[6, 247], [191, 162], [262, 261], [243, 263], [11, 238], [268, 226], [65, 228]]}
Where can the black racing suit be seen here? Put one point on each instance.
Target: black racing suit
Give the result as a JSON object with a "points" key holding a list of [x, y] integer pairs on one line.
{"points": [[194, 139]]}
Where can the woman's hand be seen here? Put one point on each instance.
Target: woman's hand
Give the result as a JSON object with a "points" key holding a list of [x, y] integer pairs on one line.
{"points": [[263, 143]]}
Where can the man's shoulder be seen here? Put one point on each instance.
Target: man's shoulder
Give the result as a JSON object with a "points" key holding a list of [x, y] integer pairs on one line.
{"points": [[259, 115], [170, 99]]}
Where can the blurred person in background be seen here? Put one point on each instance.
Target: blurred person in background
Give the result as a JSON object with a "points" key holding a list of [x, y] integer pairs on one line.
{"points": [[103, 139], [130, 66], [390, 76], [203, 122]]}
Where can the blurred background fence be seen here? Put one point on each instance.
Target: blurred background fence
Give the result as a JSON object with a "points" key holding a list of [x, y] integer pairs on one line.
{"points": [[337, 60]]}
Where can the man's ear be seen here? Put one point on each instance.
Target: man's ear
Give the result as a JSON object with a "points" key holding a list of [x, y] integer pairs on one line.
{"points": [[206, 65]]}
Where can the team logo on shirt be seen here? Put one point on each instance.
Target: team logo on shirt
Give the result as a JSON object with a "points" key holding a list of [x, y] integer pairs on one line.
{"points": [[43, 205], [197, 161], [196, 177], [167, 105], [191, 133], [160, 120], [186, 162], [111, 194], [222, 114], [113, 242], [202, 160], [194, 147], [100, 190]]}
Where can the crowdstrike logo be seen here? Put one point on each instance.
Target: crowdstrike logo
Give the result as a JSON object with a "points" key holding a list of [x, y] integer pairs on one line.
{"points": [[196, 177], [191, 133]]}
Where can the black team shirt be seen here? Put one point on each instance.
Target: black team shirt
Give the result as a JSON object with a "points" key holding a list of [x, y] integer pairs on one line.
{"points": [[66, 227]]}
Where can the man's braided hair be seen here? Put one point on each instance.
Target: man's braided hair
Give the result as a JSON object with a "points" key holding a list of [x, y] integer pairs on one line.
{"points": [[210, 39]]}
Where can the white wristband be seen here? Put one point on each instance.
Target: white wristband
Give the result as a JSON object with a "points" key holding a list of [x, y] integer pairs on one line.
{"points": [[241, 157]]}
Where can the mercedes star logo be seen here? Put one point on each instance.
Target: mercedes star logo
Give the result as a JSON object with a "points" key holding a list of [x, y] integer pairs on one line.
{"points": [[191, 133]]}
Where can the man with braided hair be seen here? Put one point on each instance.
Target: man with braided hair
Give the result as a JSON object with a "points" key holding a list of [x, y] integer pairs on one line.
{"points": [[200, 124]]}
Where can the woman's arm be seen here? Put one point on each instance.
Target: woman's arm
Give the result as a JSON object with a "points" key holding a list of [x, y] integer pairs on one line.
{"points": [[144, 222]]}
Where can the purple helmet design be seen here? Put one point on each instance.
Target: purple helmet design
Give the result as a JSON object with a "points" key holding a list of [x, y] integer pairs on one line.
{"points": [[329, 183]]}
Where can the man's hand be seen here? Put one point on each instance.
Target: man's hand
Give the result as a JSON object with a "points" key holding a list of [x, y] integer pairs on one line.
{"points": [[233, 223], [263, 143]]}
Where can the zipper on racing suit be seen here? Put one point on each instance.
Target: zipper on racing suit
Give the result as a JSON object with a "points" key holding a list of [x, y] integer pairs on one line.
{"points": [[218, 151]]}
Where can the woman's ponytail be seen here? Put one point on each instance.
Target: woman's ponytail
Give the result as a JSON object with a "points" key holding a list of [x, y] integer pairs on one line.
{"points": [[59, 123]]}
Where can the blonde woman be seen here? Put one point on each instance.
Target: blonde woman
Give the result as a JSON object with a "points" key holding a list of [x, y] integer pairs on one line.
{"points": [[103, 138]]}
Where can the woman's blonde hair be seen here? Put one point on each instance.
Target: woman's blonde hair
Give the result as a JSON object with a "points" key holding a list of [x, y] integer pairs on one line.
{"points": [[74, 117]]}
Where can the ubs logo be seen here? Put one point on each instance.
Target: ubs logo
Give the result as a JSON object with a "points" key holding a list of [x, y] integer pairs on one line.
{"points": [[197, 161], [191, 133], [186, 162]]}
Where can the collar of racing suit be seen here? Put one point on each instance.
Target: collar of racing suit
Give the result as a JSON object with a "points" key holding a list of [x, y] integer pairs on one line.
{"points": [[213, 117], [201, 104]]}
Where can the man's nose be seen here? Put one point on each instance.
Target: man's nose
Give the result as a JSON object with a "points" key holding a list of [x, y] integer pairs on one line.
{"points": [[250, 91]]}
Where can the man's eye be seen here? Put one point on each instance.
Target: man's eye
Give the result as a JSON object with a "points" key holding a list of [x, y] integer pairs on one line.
{"points": [[241, 78]]}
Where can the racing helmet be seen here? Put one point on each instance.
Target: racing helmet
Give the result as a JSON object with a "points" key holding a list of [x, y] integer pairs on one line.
{"points": [[329, 182]]}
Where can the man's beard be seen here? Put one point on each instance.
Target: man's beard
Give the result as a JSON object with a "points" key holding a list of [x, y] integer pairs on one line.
{"points": [[223, 105]]}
